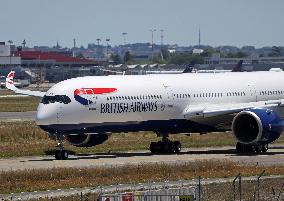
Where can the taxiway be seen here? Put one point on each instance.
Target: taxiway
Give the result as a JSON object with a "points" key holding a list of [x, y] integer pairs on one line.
{"points": [[17, 116], [274, 156]]}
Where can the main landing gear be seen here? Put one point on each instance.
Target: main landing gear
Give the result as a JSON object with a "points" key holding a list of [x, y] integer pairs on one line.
{"points": [[246, 148], [61, 154], [165, 146]]}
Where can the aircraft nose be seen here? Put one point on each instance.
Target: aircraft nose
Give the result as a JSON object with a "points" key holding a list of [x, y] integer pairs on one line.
{"points": [[46, 115]]}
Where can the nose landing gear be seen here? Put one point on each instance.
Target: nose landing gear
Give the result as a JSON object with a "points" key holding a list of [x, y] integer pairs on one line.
{"points": [[61, 154], [165, 146]]}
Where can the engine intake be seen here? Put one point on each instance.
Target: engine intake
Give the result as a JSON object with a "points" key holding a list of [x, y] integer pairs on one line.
{"points": [[86, 140], [257, 126]]}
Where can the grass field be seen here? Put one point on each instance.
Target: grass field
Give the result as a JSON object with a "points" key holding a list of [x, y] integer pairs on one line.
{"points": [[18, 104], [31, 180], [26, 139], [6, 92]]}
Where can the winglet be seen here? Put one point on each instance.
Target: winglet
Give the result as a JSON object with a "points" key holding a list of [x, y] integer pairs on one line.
{"points": [[10, 85]]}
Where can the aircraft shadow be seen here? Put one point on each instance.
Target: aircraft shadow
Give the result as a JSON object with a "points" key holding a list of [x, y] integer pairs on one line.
{"points": [[228, 152]]}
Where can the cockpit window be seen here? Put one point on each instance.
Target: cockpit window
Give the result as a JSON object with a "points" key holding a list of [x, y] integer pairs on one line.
{"points": [[57, 98]]}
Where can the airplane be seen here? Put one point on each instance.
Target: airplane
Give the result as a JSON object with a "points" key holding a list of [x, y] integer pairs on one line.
{"points": [[85, 111], [24, 83], [190, 69]]}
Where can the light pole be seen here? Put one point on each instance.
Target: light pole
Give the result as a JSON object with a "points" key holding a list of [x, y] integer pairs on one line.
{"points": [[124, 49], [152, 34], [124, 37], [98, 41], [107, 41], [162, 43], [24, 43], [10, 42]]}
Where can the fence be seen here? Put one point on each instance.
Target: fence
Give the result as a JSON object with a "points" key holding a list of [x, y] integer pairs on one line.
{"points": [[171, 194], [257, 188]]}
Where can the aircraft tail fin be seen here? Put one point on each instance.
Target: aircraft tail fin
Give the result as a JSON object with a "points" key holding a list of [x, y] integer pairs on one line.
{"points": [[189, 68], [238, 67], [10, 85]]}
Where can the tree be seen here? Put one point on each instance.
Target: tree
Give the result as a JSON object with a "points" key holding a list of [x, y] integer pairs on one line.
{"points": [[207, 52], [165, 52], [116, 59], [275, 51], [127, 57], [185, 58], [240, 54]]}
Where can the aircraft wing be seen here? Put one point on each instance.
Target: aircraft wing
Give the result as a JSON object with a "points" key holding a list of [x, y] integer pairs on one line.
{"points": [[211, 110], [10, 85]]}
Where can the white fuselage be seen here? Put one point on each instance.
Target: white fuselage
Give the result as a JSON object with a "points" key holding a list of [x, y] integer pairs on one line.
{"points": [[135, 99]]}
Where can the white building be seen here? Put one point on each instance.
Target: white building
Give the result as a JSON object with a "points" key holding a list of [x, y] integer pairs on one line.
{"points": [[6, 58]]}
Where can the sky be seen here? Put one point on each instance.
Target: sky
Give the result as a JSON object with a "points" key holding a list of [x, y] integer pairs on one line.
{"points": [[221, 22]]}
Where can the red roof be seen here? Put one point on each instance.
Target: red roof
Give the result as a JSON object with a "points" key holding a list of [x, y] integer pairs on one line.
{"points": [[38, 55]]}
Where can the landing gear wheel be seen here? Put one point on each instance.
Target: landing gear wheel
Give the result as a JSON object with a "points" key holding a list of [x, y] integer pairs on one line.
{"points": [[153, 147], [58, 155], [61, 155], [165, 146], [64, 155], [257, 148], [239, 148], [264, 148], [168, 147], [177, 147], [244, 148]]}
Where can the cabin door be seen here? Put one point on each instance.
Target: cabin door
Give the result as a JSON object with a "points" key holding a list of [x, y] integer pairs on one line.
{"points": [[169, 101], [253, 93]]}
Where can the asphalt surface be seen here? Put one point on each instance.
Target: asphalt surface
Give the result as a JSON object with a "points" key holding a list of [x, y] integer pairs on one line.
{"points": [[274, 156], [17, 116]]}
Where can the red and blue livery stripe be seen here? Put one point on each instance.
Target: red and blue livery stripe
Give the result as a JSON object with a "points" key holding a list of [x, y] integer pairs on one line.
{"points": [[78, 93]]}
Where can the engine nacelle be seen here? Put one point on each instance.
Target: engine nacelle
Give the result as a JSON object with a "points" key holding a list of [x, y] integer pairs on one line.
{"points": [[86, 140], [257, 126]]}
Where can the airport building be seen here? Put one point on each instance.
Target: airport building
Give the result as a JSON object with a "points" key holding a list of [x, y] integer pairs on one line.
{"points": [[32, 59], [10, 57], [38, 65], [253, 59], [251, 63], [6, 58]]}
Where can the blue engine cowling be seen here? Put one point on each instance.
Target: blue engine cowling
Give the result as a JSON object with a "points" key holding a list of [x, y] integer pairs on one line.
{"points": [[257, 126], [86, 140]]}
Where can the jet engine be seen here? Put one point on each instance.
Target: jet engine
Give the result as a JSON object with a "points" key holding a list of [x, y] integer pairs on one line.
{"points": [[257, 126], [86, 140]]}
